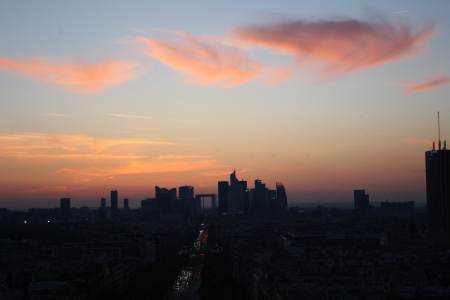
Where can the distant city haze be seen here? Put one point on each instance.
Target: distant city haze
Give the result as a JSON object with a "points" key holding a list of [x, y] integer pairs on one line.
{"points": [[324, 98]]}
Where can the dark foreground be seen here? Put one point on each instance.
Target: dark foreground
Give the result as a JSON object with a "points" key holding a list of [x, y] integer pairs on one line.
{"points": [[314, 253]]}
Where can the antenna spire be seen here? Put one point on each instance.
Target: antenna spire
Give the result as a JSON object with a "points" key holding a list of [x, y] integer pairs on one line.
{"points": [[439, 132]]}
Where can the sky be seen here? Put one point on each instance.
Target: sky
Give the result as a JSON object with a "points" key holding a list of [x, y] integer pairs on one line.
{"points": [[323, 96]]}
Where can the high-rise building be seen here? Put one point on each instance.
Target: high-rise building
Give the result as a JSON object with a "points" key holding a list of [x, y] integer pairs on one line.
{"points": [[260, 198], [186, 200], [186, 192], [64, 204], [437, 162], [166, 199], [223, 188], [114, 200], [361, 200], [126, 204], [235, 194], [281, 196], [103, 203]]}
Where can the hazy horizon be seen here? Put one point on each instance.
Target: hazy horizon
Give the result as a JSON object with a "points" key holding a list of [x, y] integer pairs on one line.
{"points": [[325, 98]]}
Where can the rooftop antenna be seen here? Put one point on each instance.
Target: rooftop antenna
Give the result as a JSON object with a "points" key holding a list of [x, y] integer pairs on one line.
{"points": [[439, 132]]}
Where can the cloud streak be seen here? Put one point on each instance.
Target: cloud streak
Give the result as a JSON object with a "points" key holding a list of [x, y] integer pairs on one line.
{"points": [[126, 116], [431, 84], [338, 45], [81, 157], [205, 60], [79, 77]]}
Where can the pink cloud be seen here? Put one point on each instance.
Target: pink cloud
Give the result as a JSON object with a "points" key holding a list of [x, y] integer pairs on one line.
{"points": [[77, 77], [431, 84], [338, 45], [205, 60]]}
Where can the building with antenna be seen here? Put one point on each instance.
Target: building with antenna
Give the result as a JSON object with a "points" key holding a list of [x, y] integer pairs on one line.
{"points": [[437, 163]]}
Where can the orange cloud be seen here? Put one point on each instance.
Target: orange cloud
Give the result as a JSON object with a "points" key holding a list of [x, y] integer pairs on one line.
{"points": [[77, 77], [66, 159], [207, 61], [432, 84], [339, 45]]}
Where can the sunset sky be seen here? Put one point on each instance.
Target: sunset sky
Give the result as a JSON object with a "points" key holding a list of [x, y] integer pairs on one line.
{"points": [[323, 96]]}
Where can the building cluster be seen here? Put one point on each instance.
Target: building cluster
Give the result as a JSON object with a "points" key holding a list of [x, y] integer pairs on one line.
{"points": [[361, 205], [85, 261], [167, 205], [236, 198], [315, 257]]}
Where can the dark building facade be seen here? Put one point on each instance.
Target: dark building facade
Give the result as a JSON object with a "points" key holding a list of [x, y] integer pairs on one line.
{"points": [[281, 196], [361, 200], [114, 200], [126, 204], [223, 189], [166, 199], [65, 207], [186, 203], [103, 203], [437, 164]]}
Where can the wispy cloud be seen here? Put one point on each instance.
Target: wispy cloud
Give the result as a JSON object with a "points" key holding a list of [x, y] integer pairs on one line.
{"points": [[82, 157], [204, 60], [127, 116], [54, 115], [57, 146], [432, 84], [342, 45], [80, 77]]}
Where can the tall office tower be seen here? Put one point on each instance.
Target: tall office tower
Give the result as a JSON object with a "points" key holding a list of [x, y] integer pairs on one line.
{"points": [[235, 195], [223, 188], [126, 204], [166, 199], [103, 203], [114, 200], [260, 198], [65, 207], [281, 196], [274, 207], [437, 162], [186, 199], [186, 192], [361, 200], [64, 204]]}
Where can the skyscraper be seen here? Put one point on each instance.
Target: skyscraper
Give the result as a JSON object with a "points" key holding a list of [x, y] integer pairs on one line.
{"points": [[235, 195], [223, 188], [361, 200], [186, 199], [281, 196], [437, 162], [260, 198], [64, 204], [103, 203], [65, 207], [126, 204], [114, 200], [166, 199]]}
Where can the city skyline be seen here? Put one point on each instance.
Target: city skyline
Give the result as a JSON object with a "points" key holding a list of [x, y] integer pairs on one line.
{"points": [[127, 97]]}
